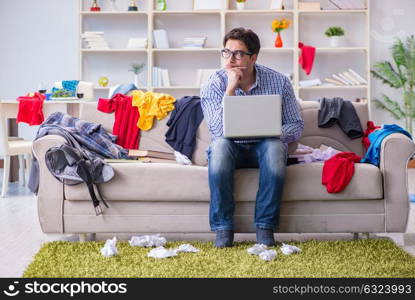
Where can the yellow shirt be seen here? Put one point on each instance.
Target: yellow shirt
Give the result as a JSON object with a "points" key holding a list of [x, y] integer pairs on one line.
{"points": [[151, 105]]}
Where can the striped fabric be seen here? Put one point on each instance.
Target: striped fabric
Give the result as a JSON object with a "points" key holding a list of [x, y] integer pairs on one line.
{"points": [[268, 82]]}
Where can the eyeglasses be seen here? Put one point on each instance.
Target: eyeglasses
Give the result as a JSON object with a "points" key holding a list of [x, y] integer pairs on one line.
{"points": [[238, 54]]}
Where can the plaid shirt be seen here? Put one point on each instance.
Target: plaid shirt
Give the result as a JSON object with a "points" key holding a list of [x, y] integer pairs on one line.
{"points": [[90, 136], [268, 82]]}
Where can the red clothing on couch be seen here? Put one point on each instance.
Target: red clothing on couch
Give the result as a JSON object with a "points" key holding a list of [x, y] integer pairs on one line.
{"points": [[338, 171], [126, 118]]}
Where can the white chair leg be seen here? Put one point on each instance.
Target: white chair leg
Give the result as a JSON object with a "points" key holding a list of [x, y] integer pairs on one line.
{"points": [[6, 174], [22, 176]]}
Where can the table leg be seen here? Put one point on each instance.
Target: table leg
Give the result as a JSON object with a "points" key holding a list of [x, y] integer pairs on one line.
{"points": [[14, 161]]}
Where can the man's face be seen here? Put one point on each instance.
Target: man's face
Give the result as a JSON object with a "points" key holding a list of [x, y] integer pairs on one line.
{"points": [[245, 61]]}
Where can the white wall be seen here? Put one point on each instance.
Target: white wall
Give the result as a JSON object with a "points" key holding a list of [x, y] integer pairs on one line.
{"points": [[388, 20], [39, 42]]}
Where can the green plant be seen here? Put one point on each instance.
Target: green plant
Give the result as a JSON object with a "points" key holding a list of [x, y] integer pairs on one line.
{"points": [[334, 31], [241, 1], [136, 68], [400, 76]]}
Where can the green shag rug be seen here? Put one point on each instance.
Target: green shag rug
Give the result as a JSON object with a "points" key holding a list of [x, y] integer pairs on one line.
{"points": [[356, 258]]}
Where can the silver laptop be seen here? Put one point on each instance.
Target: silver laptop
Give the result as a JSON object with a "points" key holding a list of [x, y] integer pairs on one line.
{"points": [[252, 116]]}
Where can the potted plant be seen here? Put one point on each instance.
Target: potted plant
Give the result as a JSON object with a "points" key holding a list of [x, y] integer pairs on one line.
{"points": [[240, 4], [277, 26], [136, 68], [334, 33], [400, 77]]}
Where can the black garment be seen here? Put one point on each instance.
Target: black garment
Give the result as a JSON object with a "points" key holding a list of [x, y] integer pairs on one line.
{"points": [[340, 111], [183, 124]]}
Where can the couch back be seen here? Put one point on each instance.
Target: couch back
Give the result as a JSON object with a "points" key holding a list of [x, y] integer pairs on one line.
{"points": [[312, 136]]}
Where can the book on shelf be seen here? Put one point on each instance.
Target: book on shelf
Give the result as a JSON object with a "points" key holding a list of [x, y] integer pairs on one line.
{"points": [[349, 77], [358, 77], [310, 82], [161, 40], [349, 4], [194, 42], [333, 81], [160, 77], [166, 79], [151, 153]]}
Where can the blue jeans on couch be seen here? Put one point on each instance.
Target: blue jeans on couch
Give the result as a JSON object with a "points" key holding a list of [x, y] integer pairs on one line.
{"points": [[224, 156]]}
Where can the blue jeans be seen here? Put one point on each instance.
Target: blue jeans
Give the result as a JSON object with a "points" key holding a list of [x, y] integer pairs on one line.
{"points": [[224, 156]]}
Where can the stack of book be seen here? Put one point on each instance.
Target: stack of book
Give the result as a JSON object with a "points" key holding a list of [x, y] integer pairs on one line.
{"points": [[349, 77], [160, 77], [94, 40], [152, 156], [146, 156], [161, 40], [310, 82], [194, 42]]}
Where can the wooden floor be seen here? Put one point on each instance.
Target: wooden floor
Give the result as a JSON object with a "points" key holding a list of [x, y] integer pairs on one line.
{"points": [[21, 236]]}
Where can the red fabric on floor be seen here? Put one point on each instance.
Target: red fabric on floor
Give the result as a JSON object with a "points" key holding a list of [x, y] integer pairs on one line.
{"points": [[338, 171], [31, 109], [126, 118]]}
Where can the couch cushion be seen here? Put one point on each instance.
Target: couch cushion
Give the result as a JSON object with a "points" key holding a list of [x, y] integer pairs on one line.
{"points": [[172, 182]]}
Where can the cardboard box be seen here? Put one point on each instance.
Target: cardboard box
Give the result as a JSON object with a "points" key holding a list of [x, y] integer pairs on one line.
{"points": [[309, 6]]}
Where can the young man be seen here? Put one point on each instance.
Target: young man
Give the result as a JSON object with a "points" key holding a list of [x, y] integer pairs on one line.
{"points": [[242, 76]]}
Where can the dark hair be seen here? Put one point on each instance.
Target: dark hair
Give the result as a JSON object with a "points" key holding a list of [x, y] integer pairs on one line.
{"points": [[247, 36]]}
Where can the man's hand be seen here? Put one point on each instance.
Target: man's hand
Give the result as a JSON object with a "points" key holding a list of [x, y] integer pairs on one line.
{"points": [[234, 79]]}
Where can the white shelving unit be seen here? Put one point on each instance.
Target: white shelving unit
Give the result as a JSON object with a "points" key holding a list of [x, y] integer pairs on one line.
{"points": [[180, 20]]}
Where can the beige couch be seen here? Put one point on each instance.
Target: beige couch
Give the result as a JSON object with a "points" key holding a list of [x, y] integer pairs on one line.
{"points": [[171, 198]]}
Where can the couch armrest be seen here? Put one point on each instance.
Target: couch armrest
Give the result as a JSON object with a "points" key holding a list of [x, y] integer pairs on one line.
{"points": [[396, 150], [50, 194]]}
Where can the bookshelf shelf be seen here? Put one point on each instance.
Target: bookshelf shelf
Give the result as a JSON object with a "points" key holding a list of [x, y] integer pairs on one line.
{"points": [[114, 13], [181, 21], [114, 50], [334, 87]]}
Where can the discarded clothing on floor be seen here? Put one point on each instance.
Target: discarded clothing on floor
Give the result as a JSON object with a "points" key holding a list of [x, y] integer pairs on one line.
{"points": [[187, 248], [343, 113], [289, 249], [262, 252], [31, 109], [257, 249], [183, 124], [373, 152], [338, 171], [370, 128], [148, 241], [268, 255], [110, 248], [161, 252], [151, 105], [126, 118]]}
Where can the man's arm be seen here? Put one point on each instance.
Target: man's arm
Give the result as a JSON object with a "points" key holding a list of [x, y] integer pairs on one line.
{"points": [[211, 96], [292, 123]]}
